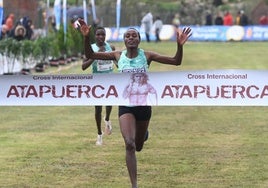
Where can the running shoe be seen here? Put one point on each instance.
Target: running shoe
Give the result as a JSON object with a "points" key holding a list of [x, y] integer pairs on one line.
{"points": [[108, 127], [99, 140]]}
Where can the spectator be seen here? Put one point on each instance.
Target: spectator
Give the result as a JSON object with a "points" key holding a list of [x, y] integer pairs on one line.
{"points": [[10, 22], [238, 18], [158, 24], [29, 29], [176, 21], [20, 32], [243, 18], [218, 20], [208, 18], [4, 32], [263, 19], [147, 23], [228, 19]]}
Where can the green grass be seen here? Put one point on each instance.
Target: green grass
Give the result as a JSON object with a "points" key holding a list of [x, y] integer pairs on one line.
{"points": [[188, 147]]}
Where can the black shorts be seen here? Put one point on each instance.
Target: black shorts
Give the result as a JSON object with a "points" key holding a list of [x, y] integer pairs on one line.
{"points": [[141, 113]]}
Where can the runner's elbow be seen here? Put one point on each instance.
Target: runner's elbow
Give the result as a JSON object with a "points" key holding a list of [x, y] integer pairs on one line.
{"points": [[178, 63]]}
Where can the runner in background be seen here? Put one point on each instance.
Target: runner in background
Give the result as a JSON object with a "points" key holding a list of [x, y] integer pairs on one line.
{"points": [[100, 67]]}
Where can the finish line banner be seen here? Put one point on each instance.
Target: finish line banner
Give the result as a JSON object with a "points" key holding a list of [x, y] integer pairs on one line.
{"points": [[182, 88]]}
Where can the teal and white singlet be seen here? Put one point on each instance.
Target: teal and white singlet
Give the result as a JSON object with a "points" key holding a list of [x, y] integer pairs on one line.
{"points": [[137, 64], [102, 66]]}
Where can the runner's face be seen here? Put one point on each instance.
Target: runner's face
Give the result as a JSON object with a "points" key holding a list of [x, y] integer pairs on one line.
{"points": [[100, 36], [131, 38]]}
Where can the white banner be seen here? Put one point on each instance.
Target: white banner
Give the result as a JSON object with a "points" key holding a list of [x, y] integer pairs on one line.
{"points": [[183, 88]]}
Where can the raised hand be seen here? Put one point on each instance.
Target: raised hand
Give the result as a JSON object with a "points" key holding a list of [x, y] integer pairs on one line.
{"points": [[84, 28], [182, 36]]}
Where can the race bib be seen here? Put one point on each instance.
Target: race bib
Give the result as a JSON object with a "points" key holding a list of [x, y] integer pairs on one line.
{"points": [[103, 65]]}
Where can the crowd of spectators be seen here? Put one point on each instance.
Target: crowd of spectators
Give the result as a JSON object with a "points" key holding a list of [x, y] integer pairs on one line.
{"points": [[19, 30], [240, 19], [228, 19], [23, 28]]}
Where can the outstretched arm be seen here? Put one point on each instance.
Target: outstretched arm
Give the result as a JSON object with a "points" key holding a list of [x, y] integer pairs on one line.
{"points": [[85, 30], [89, 53], [182, 37]]}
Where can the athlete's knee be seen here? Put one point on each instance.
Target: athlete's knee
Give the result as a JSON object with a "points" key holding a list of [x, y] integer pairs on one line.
{"points": [[130, 145]]}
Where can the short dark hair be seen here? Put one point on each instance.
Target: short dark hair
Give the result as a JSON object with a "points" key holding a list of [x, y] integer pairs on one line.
{"points": [[100, 27]]}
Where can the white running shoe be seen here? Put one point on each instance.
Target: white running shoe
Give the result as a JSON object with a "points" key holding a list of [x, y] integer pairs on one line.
{"points": [[99, 140], [108, 127]]}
